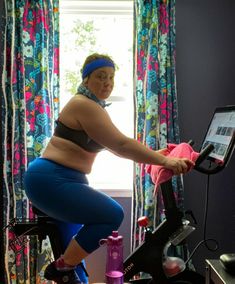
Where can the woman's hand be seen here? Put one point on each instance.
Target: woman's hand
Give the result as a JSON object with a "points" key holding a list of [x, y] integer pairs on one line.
{"points": [[164, 151], [178, 165]]}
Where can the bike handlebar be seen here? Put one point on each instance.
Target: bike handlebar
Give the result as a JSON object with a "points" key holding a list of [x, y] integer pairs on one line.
{"points": [[202, 157], [203, 154]]}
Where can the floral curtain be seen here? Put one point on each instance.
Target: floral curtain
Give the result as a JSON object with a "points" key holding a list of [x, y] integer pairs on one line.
{"points": [[155, 101], [2, 35], [29, 106]]}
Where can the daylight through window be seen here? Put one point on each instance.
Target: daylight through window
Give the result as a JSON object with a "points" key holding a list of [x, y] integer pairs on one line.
{"points": [[103, 27]]}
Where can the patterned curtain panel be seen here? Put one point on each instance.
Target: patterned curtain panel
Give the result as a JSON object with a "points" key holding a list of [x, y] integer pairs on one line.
{"points": [[29, 107], [156, 101], [2, 35]]}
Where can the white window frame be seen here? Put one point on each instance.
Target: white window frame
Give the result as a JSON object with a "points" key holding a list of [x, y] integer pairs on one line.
{"points": [[109, 8]]}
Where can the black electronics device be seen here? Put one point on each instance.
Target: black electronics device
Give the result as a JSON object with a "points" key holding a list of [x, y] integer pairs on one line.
{"points": [[221, 134], [228, 262]]}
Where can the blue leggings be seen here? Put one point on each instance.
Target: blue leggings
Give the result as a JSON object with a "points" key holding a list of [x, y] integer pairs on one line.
{"points": [[64, 194]]}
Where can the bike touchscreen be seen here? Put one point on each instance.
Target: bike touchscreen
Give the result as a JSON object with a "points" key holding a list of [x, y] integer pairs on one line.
{"points": [[221, 134]]}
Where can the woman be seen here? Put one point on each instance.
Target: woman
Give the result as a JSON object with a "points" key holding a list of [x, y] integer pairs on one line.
{"points": [[56, 183]]}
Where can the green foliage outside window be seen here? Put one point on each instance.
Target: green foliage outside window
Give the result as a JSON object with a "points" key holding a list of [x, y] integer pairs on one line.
{"points": [[83, 38]]}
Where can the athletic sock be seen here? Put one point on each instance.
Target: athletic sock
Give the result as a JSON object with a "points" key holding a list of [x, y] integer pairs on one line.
{"points": [[62, 266]]}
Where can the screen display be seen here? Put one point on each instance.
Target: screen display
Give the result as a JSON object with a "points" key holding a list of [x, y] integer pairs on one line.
{"points": [[221, 133]]}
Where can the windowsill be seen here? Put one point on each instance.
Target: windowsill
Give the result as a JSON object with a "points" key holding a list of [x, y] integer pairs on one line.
{"points": [[114, 191], [118, 192]]}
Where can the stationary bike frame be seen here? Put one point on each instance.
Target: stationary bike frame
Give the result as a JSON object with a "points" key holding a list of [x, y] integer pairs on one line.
{"points": [[148, 257]]}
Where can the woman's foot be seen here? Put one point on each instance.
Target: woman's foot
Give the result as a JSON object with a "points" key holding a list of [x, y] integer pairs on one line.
{"points": [[61, 277]]}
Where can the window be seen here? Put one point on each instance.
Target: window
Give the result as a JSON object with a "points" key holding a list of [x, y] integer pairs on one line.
{"points": [[103, 27]]}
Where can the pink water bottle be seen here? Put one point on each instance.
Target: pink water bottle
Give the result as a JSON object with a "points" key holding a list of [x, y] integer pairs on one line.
{"points": [[114, 262]]}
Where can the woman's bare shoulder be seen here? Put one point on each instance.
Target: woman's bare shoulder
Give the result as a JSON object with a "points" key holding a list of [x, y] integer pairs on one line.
{"points": [[80, 101], [80, 107]]}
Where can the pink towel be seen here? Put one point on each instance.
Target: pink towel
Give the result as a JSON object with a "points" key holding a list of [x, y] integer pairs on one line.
{"points": [[159, 174]]}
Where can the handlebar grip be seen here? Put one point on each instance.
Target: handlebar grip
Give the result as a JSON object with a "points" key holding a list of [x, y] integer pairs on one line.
{"points": [[191, 142], [204, 153]]}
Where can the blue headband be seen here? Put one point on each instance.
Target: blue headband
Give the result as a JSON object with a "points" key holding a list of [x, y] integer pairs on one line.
{"points": [[98, 63]]}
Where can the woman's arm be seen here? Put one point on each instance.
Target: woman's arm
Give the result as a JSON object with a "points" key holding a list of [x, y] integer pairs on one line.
{"points": [[96, 122]]}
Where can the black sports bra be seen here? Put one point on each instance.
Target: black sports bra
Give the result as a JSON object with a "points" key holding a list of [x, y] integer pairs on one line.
{"points": [[78, 137]]}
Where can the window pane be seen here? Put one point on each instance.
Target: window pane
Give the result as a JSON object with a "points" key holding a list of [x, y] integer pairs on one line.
{"points": [[106, 31]]}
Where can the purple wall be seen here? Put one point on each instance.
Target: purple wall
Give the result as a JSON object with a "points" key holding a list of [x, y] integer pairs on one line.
{"points": [[205, 69]]}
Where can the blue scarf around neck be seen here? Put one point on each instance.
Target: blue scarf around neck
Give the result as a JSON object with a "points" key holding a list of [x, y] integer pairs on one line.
{"points": [[82, 90]]}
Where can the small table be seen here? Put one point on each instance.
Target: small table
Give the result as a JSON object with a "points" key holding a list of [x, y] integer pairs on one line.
{"points": [[216, 273]]}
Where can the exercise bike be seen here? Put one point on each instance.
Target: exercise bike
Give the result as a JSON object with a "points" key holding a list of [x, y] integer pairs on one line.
{"points": [[150, 257]]}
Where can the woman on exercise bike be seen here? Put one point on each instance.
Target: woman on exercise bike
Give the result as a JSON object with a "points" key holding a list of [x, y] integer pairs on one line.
{"points": [[56, 182]]}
